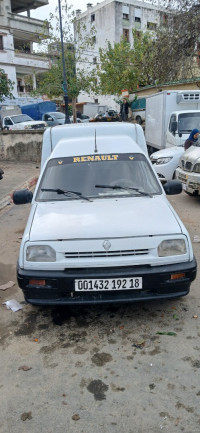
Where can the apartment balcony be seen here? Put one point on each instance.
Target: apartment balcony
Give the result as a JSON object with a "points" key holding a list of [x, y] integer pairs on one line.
{"points": [[18, 6], [29, 29], [26, 63]]}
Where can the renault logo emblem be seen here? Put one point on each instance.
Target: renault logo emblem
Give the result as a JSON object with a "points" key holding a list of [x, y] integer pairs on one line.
{"points": [[106, 245]]}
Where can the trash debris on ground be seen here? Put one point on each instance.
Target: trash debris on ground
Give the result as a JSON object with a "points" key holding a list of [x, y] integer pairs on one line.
{"points": [[139, 344], [13, 305], [26, 415], [75, 417], [7, 285], [24, 368], [196, 238], [195, 316], [152, 385], [173, 334]]}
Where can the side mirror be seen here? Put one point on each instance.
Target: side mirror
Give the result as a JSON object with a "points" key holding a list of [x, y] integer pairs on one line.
{"points": [[172, 187], [22, 197]]}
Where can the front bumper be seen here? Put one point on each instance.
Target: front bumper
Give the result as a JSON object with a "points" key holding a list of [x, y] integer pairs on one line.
{"points": [[190, 181], [59, 288]]}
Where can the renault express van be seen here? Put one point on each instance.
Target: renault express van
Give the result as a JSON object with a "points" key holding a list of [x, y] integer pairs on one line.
{"points": [[101, 229]]}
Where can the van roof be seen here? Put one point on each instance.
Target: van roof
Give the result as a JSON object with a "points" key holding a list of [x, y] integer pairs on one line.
{"points": [[79, 139]]}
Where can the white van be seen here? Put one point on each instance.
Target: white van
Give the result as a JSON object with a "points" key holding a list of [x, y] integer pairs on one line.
{"points": [[101, 229]]}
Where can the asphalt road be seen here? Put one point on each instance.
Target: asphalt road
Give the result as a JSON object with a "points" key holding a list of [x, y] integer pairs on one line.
{"points": [[98, 369]]}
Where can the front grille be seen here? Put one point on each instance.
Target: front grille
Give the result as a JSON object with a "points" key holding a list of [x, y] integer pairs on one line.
{"points": [[188, 165], [93, 254], [182, 178], [38, 126]]}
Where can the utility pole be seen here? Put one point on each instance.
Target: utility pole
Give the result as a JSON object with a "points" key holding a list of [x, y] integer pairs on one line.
{"points": [[66, 99]]}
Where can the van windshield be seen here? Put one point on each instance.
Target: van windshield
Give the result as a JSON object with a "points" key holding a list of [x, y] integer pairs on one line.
{"points": [[187, 122], [21, 118], [96, 176]]}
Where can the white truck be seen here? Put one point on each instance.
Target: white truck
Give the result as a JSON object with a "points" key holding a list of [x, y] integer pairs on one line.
{"points": [[188, 171], [170, 117], [88, 238], [13, 119]]}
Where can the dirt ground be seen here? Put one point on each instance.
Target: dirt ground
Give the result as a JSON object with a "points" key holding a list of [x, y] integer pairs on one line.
{"points": [[98, 369]]}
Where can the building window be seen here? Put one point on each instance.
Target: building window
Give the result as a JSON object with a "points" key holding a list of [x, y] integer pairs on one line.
{"points": [[1, 42], [125, 17], [151, 26], [137, 22], [92, 18], [94, 60], [126, 34]]}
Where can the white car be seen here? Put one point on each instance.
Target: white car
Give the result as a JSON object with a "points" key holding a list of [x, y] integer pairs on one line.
{"points": [[22, 121], [166, 161], [101, 229]]}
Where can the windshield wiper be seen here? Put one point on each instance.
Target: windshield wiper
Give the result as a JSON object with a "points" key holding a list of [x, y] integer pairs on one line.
{"points": [[124, 188], [66, 193]]}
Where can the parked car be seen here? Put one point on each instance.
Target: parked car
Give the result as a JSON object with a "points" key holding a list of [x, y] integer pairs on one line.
{"points": [[1, 173], [188, 171], [101, 229], [165, 162], [22, 121], [84, 118], [72, 120], [109, 116], [54, 118]]}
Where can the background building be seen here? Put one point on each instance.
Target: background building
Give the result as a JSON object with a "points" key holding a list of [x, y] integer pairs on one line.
{"points": [[17, 35], [112, 19]]}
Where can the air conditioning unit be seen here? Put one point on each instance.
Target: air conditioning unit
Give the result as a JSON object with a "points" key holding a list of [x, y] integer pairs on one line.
{"points": [[187, 97]]}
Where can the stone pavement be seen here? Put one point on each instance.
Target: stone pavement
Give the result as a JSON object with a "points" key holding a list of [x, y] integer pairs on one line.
{"points": [[17, 175]]}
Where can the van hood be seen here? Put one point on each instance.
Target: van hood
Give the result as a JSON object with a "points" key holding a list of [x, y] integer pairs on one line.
{"points": [[103, 218], [192, 154]]}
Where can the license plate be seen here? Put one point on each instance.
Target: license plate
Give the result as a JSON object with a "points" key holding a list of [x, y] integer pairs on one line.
{"points": [[184, 186], [108, 284]]}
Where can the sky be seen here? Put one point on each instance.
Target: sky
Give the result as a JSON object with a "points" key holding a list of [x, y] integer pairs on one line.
{"points": [[43, 12]]}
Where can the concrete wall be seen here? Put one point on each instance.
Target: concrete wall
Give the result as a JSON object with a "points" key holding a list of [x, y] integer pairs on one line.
{"points": [[21, 146]]}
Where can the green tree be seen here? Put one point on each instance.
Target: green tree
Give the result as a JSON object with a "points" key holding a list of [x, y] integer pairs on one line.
{"points": [[6, 86], [171, 52], [124, 67], [177, 45]]}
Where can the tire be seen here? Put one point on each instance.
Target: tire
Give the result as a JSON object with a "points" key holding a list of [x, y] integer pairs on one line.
{"points": [[139, 120], [195, 194]]}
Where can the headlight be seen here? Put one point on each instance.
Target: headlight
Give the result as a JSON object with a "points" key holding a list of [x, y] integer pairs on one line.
{"points": [[172, 247], [196, 168], [40, 253], [163, 160]]}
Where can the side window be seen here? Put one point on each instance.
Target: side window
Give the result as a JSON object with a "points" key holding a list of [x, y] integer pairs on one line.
{"points": [[7, 121], [172, 119]]}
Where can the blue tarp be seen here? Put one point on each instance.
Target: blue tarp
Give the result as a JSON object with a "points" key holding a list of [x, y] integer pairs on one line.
{"points": [[37, 110]]}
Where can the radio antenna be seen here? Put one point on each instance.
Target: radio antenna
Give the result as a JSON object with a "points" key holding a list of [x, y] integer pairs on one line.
{"points": [[95, 142]]}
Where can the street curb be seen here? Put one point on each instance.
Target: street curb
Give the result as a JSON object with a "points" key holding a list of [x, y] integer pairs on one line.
{"points": [[7, 200]]}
